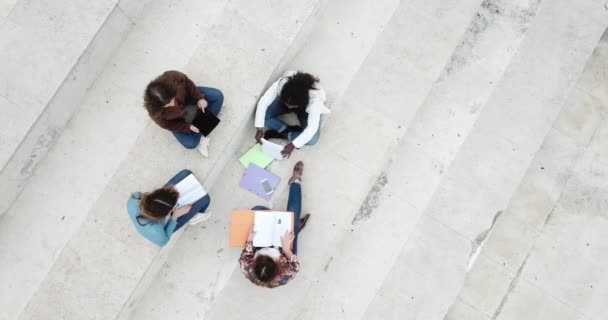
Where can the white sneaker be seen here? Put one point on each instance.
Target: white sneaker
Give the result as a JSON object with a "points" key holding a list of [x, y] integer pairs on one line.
{"points": [[203, 147], [199, 217]]}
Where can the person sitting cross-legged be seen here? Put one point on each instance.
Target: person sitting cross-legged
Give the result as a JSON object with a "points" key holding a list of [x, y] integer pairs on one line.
{"points": [[272, 267], [173, 100], [299, 93], [156, 215]]}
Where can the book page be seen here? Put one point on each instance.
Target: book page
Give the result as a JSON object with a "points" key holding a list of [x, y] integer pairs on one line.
{"points": [[264, 226], [190, 190], [281, 225]]}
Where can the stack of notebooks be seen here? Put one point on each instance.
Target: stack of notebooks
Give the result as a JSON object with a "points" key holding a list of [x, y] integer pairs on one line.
{"points": [[270, 226], [257, 179]]}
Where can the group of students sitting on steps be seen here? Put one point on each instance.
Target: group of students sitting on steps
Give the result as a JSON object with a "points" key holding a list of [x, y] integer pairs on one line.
{"points": [[173, 102]]}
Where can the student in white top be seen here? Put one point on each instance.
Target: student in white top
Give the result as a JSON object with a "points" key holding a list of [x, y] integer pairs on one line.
{"points": [[295, 92]]}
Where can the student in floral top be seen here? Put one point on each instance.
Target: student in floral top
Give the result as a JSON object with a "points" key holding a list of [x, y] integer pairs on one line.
{"points": [[272, 267]]}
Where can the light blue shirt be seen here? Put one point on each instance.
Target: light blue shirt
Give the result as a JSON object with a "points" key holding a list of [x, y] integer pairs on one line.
{"points": [[159, 232]]}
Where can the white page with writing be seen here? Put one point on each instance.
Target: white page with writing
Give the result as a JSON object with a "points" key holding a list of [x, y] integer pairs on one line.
{"points": [[190, 190]]}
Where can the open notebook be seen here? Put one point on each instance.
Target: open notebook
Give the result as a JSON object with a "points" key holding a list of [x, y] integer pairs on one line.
{"points": [[190, 190], [270, 227]]}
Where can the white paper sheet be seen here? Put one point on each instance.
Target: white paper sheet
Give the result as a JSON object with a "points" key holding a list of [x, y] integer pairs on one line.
{"points": [[272, 149]]}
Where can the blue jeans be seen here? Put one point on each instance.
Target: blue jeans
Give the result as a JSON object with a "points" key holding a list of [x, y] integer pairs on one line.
{"points": [[294, 204], [272, 121], [215, 100], [199, 206]]}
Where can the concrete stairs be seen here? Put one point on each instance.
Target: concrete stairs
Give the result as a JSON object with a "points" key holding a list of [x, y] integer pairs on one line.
{"points": [[79, 259], [430, 268], [439, 111], [396, 239], [545, 250], [483, 175], [79, 38], [51, 56]]}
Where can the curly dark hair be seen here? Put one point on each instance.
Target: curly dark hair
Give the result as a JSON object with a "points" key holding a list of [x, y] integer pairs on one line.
{"points": [[265, 268], [295, 90]]}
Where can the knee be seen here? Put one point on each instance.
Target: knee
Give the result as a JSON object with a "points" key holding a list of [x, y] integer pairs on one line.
{"points": [[268, 117], [190, 144], [206, 201], [184, 173], [313, 141], [215, 96]]}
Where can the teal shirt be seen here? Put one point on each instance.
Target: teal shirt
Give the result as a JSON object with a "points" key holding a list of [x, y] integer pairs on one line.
{"points": [[159, 232]]}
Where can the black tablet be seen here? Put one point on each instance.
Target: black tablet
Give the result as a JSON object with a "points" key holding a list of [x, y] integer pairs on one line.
{"points": [[205, 122]]}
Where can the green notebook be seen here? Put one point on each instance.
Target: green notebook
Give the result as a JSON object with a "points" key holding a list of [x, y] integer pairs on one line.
{"points": [[257, 156]]}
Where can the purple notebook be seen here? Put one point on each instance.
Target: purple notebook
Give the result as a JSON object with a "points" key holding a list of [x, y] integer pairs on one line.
{"points": [[255, 177]]}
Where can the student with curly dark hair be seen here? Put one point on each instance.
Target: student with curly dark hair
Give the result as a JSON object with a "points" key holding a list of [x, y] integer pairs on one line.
{"points": [[172, 101], [295, 92]]}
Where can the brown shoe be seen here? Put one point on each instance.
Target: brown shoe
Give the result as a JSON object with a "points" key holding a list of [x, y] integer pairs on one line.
{"points": [[298, 170], [303, 221]]}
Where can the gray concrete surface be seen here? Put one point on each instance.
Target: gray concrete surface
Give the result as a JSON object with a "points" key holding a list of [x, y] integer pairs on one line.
{"points": [[460, 175]]}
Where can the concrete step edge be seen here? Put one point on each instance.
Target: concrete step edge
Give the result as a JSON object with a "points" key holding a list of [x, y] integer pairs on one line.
{"points": [[45, 131]]}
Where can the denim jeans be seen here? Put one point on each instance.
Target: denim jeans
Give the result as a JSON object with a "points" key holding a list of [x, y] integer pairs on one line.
{"points": [[215, 100], [294, 204], [199, 206], [272, 121]]}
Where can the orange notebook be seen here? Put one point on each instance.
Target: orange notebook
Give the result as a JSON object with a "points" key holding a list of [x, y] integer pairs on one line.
{"points": [[240, 224]]}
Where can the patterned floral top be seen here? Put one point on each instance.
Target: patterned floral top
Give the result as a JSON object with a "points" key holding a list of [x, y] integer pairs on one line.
{"points": [[287, 268]]}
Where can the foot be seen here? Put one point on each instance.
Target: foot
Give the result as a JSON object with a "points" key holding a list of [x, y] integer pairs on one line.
{"points": [[273, 134], [303, 221], [199, 217], [203, 147], [298, 170]]}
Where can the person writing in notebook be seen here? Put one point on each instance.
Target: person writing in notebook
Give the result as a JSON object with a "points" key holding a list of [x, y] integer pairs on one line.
{"points": [[298, 93], [156, 215], [173, 100], [272, 267]]}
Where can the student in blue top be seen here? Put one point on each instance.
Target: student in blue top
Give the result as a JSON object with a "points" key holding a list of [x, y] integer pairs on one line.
{"points": [[156, 216]]}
